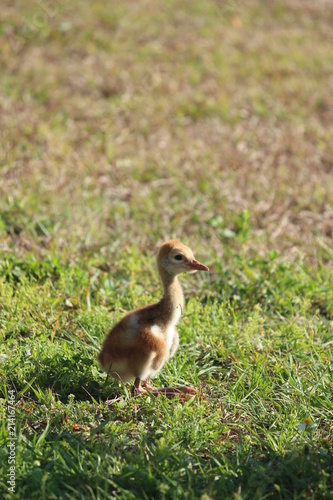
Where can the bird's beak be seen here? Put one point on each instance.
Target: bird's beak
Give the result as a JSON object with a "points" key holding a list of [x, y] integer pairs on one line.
{"points": [[196, 266]]}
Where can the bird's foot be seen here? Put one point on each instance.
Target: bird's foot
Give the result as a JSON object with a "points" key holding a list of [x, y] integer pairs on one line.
{"points": [[182, 392]]}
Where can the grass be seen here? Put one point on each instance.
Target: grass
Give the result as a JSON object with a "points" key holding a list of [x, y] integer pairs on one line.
{"points": [[124, 126]]}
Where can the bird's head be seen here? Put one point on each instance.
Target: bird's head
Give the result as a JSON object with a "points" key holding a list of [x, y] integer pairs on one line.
{"points": [[175, 258]]}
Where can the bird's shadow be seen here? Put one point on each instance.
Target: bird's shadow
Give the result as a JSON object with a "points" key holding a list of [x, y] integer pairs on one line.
{"points": [[75, 376]]}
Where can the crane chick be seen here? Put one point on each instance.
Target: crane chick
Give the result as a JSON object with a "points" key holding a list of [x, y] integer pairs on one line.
{"points": [[139, 345]]}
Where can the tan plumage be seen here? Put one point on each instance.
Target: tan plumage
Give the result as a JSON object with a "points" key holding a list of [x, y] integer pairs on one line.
{"points": [[138, 346]]}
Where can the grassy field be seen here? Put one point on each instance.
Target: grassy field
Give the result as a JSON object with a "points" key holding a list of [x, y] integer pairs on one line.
{"points": [[124, 124]]}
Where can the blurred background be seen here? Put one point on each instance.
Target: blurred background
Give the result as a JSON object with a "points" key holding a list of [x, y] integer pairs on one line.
{"points": [[126, 123]]}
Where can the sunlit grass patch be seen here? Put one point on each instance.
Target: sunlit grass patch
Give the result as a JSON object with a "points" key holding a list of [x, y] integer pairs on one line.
{"points": [[262, 371]]}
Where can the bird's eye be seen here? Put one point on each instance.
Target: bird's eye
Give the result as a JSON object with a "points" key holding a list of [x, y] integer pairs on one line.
{"points": [[178, 256]]}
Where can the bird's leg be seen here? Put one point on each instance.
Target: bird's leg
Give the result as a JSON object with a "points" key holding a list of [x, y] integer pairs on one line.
{"points": [[146, 386], [170, 392], [137, 387]]}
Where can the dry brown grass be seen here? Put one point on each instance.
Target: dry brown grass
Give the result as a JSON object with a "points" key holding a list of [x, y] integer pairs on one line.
{"points": [[134, 122]]}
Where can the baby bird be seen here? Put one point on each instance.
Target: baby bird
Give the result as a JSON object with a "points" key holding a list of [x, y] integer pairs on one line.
{"points": [[139, 345]]}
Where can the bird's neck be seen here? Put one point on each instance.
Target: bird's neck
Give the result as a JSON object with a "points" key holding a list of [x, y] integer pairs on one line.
{"points": [[172, 303]]}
